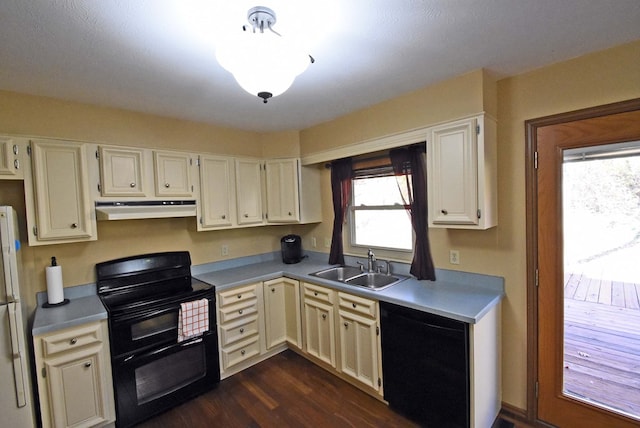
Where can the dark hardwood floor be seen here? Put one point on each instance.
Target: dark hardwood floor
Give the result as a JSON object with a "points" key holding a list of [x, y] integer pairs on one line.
{"points": [[284, 391]]}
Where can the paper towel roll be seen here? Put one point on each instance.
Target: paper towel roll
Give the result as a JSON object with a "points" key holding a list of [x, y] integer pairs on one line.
{"points": [[55, 293]]}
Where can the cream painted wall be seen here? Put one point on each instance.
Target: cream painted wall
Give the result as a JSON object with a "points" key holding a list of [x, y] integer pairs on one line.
{"points": [[600, 78]]}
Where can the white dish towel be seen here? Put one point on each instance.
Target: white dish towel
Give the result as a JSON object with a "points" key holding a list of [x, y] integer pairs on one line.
{"points": [[193, 319]]}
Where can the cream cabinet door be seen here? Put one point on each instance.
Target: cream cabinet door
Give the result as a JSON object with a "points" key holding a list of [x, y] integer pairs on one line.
{"points": [[248, 191], [453, 165], [10, 159], [74, 376], [216, 191], [63, 207], [320, 331], [282, 312], [122, 172], [173, 174], [359, 348], [282, 191]]}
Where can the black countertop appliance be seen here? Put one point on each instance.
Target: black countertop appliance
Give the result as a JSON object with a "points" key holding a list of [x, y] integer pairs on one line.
{"points": [[291, 249]]}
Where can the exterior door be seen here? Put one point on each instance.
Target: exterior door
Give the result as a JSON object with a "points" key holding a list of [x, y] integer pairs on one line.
{"points": [[550, 139]]}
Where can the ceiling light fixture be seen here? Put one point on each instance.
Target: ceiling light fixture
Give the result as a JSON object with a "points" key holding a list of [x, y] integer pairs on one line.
{"points": [[264, 63]]}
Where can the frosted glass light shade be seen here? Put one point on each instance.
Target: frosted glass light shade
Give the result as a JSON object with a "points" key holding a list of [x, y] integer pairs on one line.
{"points": [[262, 62]]}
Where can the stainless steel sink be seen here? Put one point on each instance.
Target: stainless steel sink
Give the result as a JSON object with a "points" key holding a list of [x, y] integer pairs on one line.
{"points": [[340, 273], [376, 281], [354, 276]]}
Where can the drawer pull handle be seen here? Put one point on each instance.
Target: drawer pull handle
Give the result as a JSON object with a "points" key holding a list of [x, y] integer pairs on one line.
{"points": [[445, 212], [224, 216], [354, 305], [315, 293], [243, 352], [87, 364], [273, 290], [289, 213], [167, 185], [246, 216], [132, 185], [74, 225], [240, 311], [324, 316], [239, 296], [73, 341], [241, 330]]}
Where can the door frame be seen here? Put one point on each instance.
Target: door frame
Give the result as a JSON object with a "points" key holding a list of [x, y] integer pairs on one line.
{"points": [[531, 128]]}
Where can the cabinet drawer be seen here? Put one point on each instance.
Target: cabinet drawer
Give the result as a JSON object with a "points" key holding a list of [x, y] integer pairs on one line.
{"points": [[240, 352], [357, 304], [237, 331], [243, 309], [236, 295], [71, 339], [318, 293]]}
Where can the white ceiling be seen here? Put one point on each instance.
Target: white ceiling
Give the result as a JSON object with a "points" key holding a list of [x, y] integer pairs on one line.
{"points": [[158, 56]]}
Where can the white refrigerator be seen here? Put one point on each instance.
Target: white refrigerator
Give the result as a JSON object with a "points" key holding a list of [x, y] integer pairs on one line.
{"points": [[16, 400]]}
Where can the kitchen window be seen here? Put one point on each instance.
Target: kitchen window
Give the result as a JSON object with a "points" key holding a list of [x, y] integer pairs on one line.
{"points": [[378, 217]]}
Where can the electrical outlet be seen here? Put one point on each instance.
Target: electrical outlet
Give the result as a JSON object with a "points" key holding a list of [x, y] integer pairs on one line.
{"points": [[454, 257], [327, 242], [314, 243], [224, 250]]}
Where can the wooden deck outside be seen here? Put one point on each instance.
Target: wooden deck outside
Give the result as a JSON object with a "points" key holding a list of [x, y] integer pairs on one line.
{"points": [[602, 342]]}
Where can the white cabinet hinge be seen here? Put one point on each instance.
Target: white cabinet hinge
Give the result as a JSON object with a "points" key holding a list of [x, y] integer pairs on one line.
{"points": [[478, 129], [35, 230], [29, 149], [201, 222], [44, 372], [192, 188], [198, 161], [379, 382], [377, 331], [479, 214], [99, 187], [97, 155]]}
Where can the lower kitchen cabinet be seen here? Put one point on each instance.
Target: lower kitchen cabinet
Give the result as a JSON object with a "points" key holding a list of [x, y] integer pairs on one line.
{"points": [[282, 312], [74, 376], [359, 338], [319, 323], [240, 325]]}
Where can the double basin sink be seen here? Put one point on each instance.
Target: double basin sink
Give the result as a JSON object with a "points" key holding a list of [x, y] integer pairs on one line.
{"points": [[355, 276]]}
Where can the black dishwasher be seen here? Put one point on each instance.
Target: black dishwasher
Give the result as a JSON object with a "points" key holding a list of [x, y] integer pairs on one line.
{"points": [[425, 365]]}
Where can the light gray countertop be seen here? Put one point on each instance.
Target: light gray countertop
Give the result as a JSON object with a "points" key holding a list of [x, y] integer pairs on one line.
{"points": [[458, 295]]}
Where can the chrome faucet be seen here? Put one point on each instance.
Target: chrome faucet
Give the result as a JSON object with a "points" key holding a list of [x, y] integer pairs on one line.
{"points": [[371, 261]]}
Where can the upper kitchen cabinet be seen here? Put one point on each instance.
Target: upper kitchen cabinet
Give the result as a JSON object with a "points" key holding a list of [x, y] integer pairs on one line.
{"points": [[292, 192], [217, 192], [173, 174], [122, 172], [11, 158], [248, 191], [462, 174], [59, 208]]}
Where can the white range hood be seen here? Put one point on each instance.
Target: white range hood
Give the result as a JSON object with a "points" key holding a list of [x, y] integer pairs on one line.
{"points": [[131, 210]]}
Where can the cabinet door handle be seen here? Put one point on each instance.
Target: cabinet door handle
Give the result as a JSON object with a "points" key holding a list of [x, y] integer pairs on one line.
{"points": [[241, 330], [273, 290], [445, 212], [132, 185], [243, 352], [346, 325], [240, 311], [239, 296], [74, 225], [87, 364], [324, 316], [315, 293], [224, 216], [246, 216], [73, 341], [289, 213], [167, 185], [354, 305]]}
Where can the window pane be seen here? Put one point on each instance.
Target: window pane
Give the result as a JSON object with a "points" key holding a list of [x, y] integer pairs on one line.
{"points": [[383, 228], [376, 191]]}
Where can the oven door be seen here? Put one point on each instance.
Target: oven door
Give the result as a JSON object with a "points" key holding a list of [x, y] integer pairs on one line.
{"points": [[137, 330], [157, 380]]}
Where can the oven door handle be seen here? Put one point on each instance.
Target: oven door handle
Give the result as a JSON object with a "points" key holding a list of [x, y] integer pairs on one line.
{"points": [[184, 344]]}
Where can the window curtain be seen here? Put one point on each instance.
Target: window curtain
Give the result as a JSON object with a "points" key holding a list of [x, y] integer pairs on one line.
{"points": [[341, 172], [408, 166]]}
